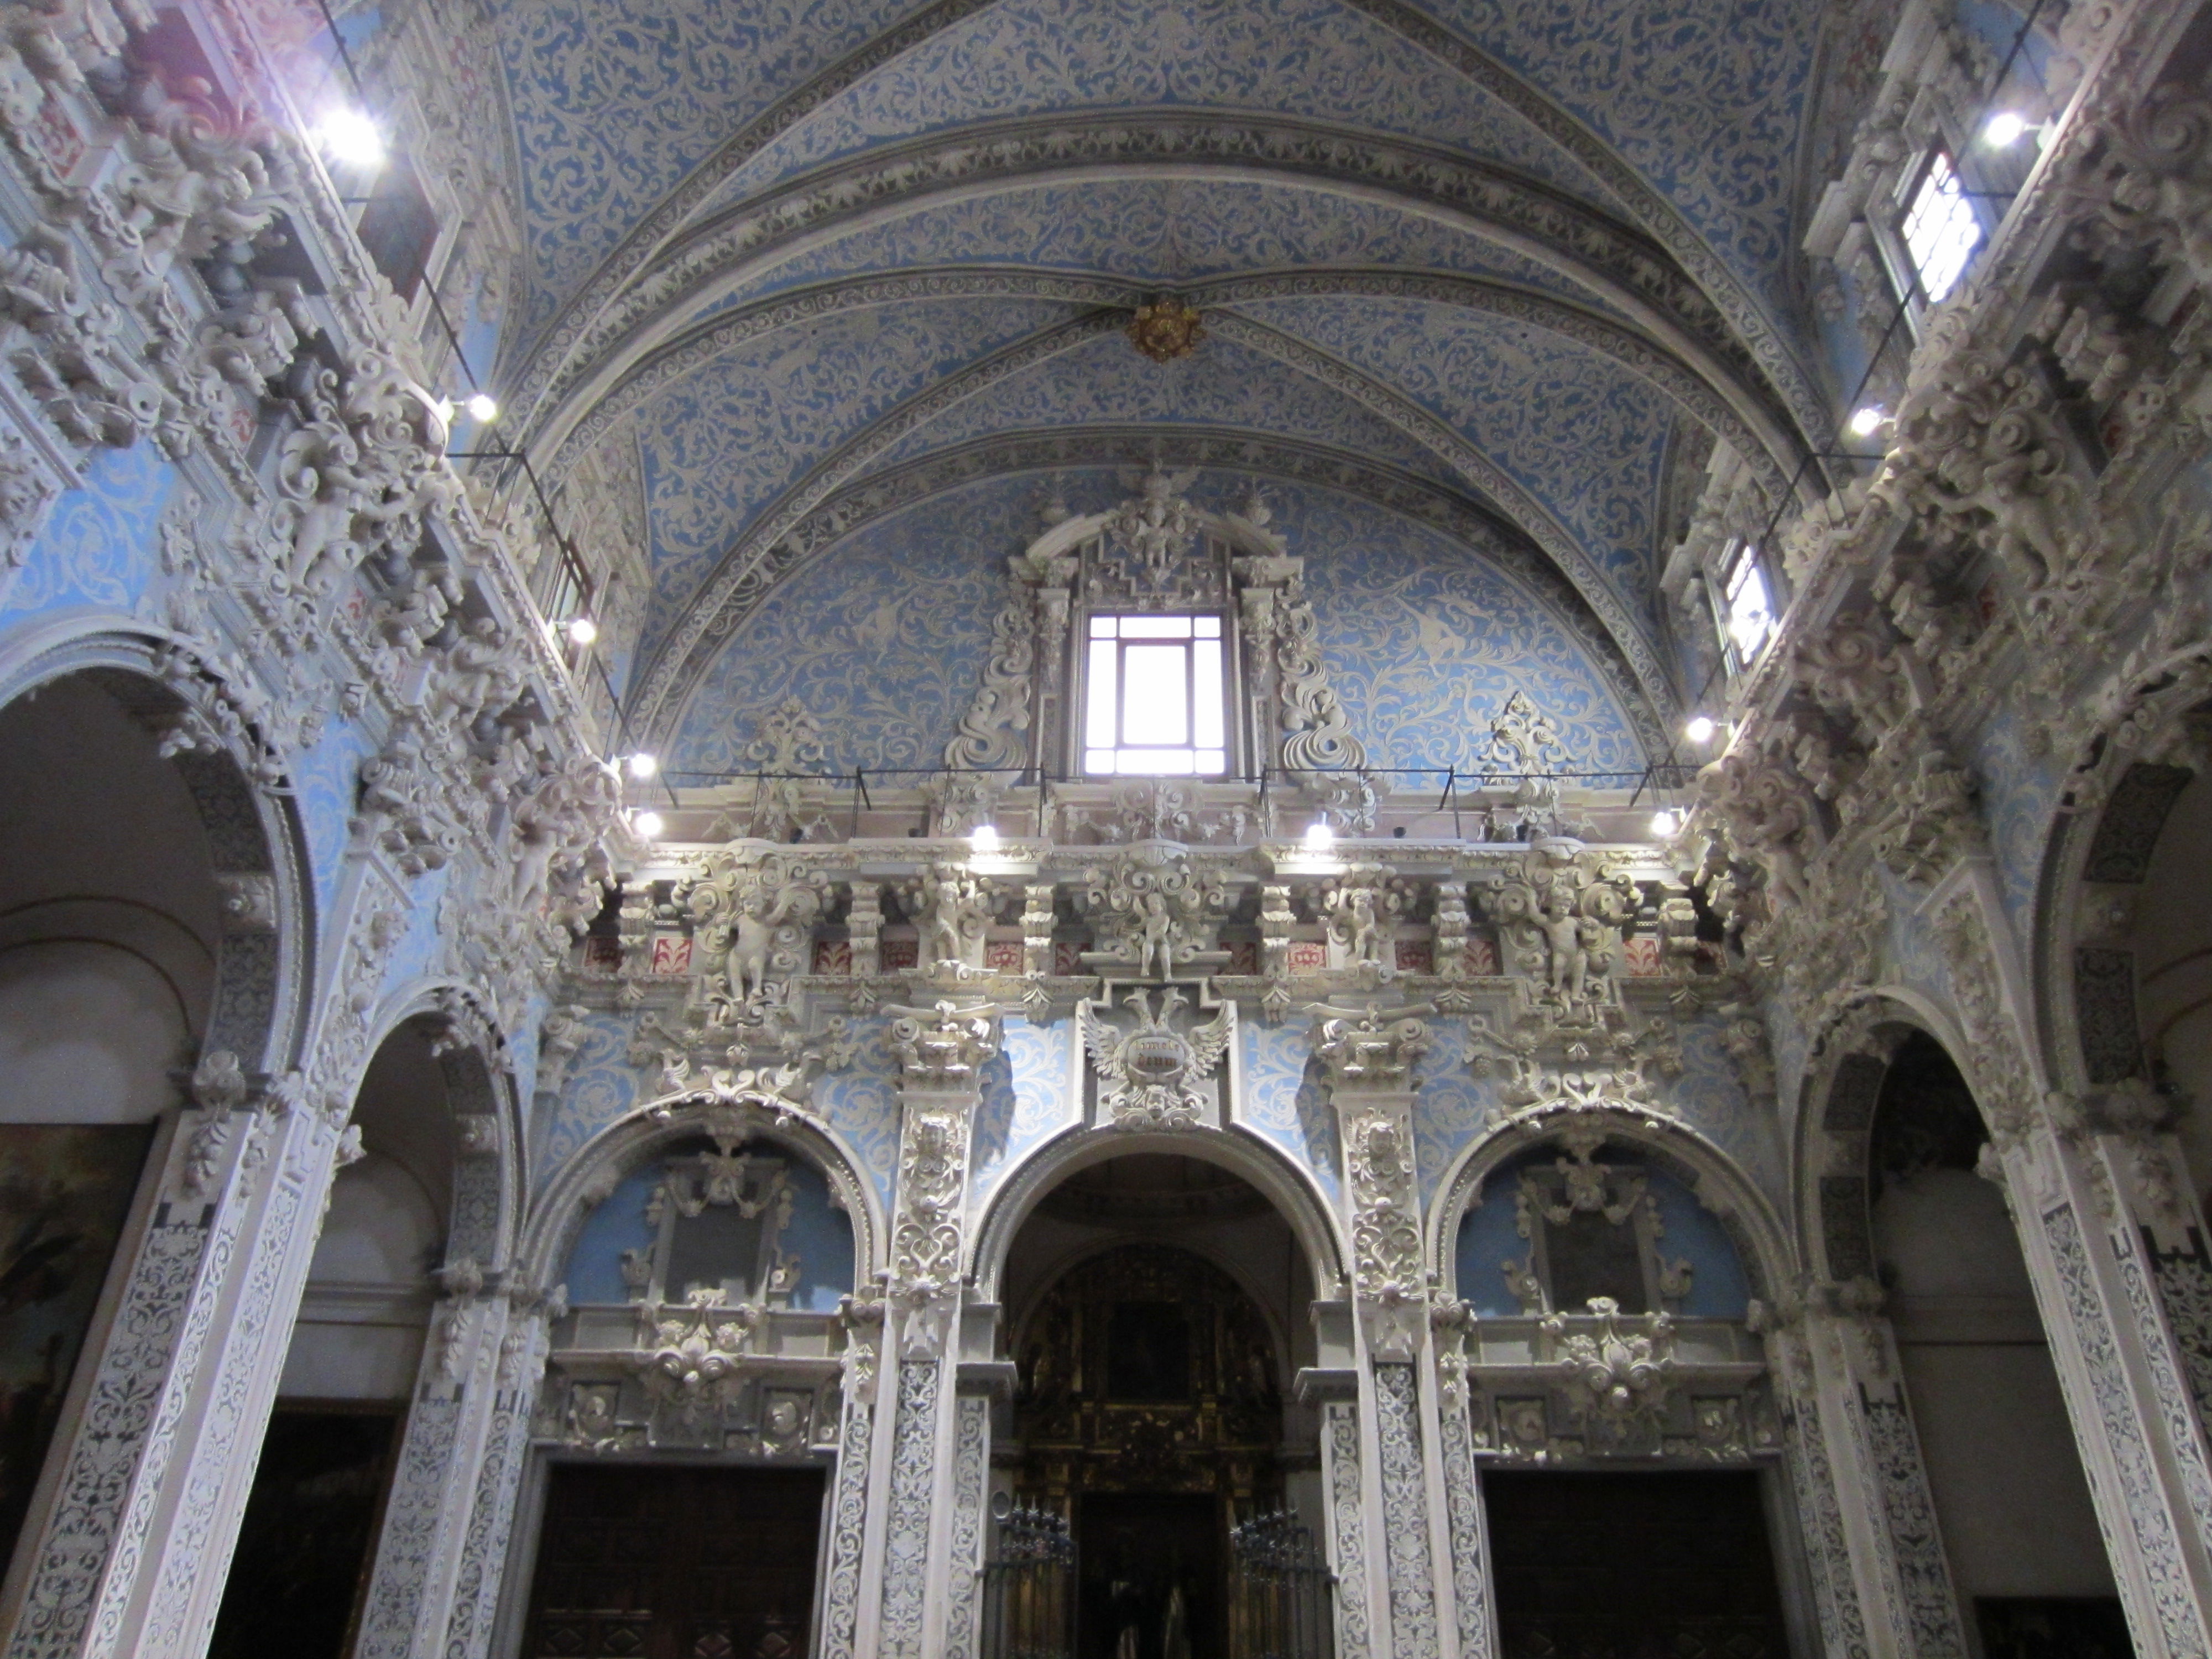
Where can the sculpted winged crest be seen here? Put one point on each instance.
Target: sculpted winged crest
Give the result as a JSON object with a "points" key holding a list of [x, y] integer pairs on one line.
{"points": [[1149, 1074]]}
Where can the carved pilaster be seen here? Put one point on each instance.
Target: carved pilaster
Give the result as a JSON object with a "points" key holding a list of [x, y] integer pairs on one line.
{"points": [[941, 1051]]}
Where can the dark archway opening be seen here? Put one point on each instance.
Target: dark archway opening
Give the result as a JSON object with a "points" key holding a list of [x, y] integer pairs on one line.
{"points": [[1153, 1348]]}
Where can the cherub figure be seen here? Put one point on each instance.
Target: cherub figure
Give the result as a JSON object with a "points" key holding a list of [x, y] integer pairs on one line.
{"points": [[1564, 935]]}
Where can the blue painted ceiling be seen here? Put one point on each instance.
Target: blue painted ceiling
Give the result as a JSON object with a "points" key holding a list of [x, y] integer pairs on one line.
{"points": [[1513, 253]]}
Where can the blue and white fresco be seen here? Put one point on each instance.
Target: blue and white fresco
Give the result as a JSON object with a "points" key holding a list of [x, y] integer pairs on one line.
{"points": [[1029, 1095], [724, 442], [1282, 1098], [98, 545], [883, 637], [1580, 434]]}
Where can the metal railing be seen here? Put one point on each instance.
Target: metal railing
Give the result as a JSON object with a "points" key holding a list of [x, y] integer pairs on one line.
{"points": [[1278, 1591], [1028, 1588]]}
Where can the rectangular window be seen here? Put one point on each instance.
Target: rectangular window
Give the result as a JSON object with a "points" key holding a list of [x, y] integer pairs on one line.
{"points": [[1941, 229], [1746, 611], [1155, 701]]}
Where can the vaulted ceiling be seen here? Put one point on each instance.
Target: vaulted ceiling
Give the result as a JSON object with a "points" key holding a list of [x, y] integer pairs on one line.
{"points": [[784, 257]]}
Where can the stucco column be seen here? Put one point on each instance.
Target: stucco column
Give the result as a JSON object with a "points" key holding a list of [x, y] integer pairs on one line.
{"points": [[1882, 1583], [921, 1590], [434, 1487], [481, 1570], [148, 1479], [1406, 1530], [2075, 1194]]}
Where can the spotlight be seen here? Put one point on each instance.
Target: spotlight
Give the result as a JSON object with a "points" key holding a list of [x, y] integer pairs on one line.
{"points": [[582, 630], [1664, 824], [1700, 729], [1865, 422], [984, 838], [482, 407], [643, 766], [351, 137], [1319, 836], [648, 825], [2006, 129]]}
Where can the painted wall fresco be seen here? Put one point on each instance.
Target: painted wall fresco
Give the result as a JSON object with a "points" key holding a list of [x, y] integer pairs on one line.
{"points": [[1325, 60], [1029, 1094], [1223, 385], [883, 638], [1584, 436], [1281, 1097], [721, 444], [613, 103], [1171, 232], [97, 546]]}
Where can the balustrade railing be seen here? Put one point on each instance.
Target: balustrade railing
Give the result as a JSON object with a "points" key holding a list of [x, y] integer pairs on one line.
{"points": [[1028, 1588], [1278, 1590]]}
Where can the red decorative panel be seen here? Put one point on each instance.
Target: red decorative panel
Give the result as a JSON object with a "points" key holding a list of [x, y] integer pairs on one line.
{"points": [[1481, 958], [1641, 955], [672, 954], [1416, 957], [1003, 956], [833, 956], [1308, 956], [1243, 955], [1066, 957], [897, 953]]}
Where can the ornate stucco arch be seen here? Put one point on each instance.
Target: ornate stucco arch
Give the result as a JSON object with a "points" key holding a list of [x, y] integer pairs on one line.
{"points": [[486, 1112], [1291, 1189], [583, 1182], [1761, 1242], [1845, 1069], [266, 970]]}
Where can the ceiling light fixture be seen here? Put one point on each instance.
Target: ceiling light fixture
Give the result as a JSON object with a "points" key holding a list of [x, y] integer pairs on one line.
{"points": [[1664, 824], [1319, 836], [643, 766], [482, 407], [1700, 729], [984, 838], [2006, 128], [648, 825], [1865, 422], [582, 630], [350, 137]]}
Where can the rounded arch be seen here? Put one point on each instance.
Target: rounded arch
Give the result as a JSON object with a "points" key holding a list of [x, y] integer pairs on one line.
{"points": [[599, 1166], [1846, 1065], [256, 841], [2129, 775], [1761, 1243], [1271, 1172], [485, 1111]]}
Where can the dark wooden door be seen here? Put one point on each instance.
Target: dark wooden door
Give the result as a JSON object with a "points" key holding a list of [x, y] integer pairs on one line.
{"points": [[675, 1564], [1642, 1565]]}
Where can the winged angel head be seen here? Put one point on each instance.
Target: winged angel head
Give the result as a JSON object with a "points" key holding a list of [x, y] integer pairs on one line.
{"points": [[1150, 1073]]}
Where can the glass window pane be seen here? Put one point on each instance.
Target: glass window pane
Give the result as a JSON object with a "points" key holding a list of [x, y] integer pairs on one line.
{"points": [[1941, 230], [1209, 628], [1750, 616], [1098, 701], [1213, 760], [1206, 693], [1155, 699], [1102, 627], [1155, 628], [1098, 762]]}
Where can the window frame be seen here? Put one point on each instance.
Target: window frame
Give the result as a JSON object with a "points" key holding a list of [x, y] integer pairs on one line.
{"points": [[1897, 247], [1739, 554], [1080, 642]]}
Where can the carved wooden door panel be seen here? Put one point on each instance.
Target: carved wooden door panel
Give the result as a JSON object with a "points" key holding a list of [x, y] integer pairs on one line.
{"points": [[642, 1563]]}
